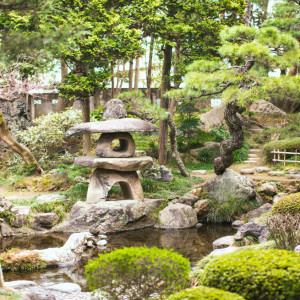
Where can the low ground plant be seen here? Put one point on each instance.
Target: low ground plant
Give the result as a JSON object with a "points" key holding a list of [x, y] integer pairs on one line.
{"points": [[204, 293], [138, 272], [255, 275]]}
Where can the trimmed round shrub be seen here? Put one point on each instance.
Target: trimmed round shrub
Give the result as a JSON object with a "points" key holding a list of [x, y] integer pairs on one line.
{"points": [[289, 204], [256, 274], [138, 272], [203, 292]]}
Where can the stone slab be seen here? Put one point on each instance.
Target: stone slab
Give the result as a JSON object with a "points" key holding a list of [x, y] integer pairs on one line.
{"points": [[109, 126], [118, 164]]}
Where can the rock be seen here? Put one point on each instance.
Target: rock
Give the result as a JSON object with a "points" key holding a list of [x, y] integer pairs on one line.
{"points": [[188, 199], [67, 255], [201, 208], [278, 196], [223, 242], [237, 224], [230, 185], [45, 220], [293, 187], [199, 225], [50, 198], [176, 216], [6, 230], [80, 179], [158, 173], [20, 214], [119, 164], [266, 107], [103, 236], [20, 284], [297, 249], [38, 295], [276, 173], [223, 251], [269, 188], [247, 171], [199, 172], [213, 118], [114, 109], [196, 192], [110, 216], [262, 169], [109, 126], [101, 243], [5, 205], [293, 176], [256, 213], [214, 147], [65, 287], [252, 229]]}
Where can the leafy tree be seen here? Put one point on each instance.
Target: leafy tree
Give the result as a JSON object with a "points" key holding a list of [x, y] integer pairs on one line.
{"points": [[242, 76]]}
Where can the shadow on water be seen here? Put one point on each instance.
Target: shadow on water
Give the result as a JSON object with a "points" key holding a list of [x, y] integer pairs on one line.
{"points": [[191, 243]]}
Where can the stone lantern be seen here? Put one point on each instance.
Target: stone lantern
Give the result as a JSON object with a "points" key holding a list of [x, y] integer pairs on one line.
{"points": [[114, 164]]}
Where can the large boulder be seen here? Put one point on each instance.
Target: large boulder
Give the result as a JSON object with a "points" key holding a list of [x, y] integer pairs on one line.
{"points": [[201, 208], [256, 213], [158, 173], [176, 216], [5, 206], [252, 229], [114, 109], [44, 221], [213, 118], [110, 216], [230, 185], [20, 214], [266, 107], [188, 199], [223, 242], [269, 188]]}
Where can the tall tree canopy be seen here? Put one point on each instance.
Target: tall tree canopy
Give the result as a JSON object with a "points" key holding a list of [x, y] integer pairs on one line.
{"points": [[242, 76]]}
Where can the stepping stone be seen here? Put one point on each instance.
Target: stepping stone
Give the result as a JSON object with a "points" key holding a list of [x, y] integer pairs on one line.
{"points": [[20, 284], [293, 176], [253, 158], [249, 162], [276, 173], [254, 150], [262, 169], [252, 155], [65, 288], [247, 171], [199, 172]]}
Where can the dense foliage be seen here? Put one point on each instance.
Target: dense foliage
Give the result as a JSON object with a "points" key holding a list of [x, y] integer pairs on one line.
{"points": [[138, 272], [203, 292], [256, 274], [287, 205]]}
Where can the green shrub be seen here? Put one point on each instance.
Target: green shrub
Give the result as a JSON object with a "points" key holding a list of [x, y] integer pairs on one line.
{"points": [[256, 274], [287, 144], [289, 204], [229, 210], [46, 137], [241, 154], [220, 133], [205, 155], [203, 292], [138, 272], [149, 185]]}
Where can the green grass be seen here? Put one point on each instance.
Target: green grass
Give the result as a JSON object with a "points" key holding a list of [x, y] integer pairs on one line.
{"points": [[9, 295]]}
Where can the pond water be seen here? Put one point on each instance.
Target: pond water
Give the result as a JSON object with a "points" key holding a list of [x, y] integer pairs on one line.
{"points": [[191, 243]]}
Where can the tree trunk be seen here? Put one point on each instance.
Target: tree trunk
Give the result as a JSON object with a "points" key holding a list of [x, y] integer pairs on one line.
{"points": [[266, 9], [164, 103], [235, 142], [112, 80], [119, 88], [85, 103], [130, 75], [63, 73], [175, 153], [137, 73], [150, 67], [118, 75], [23, 151], [248, 14], [177, 77]]}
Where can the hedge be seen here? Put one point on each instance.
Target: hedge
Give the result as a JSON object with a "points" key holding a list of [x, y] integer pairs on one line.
{"points": [[288, 144], [205, 293], [289, 204], [256, 274]]}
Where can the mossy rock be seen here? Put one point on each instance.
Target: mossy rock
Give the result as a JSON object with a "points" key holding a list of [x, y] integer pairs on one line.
{"points": [[256, 274], [203, 292], [289, 204]]}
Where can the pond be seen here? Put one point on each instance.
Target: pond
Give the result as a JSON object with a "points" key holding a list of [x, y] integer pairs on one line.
{"points": [[191, 243]]}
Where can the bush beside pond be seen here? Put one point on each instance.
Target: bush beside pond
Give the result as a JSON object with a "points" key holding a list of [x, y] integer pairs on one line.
{"points": [[287, 205], [203, 292], [253, 274], [138, 272]]}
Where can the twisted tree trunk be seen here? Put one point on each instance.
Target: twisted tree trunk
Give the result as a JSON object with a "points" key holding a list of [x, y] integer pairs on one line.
{"points": [[235, 142], [23, 151]]}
